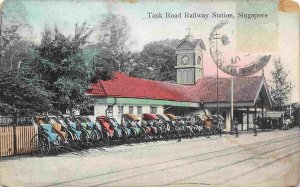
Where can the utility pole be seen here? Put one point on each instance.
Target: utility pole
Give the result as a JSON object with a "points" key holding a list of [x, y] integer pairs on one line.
{"points": [[290, 100], [231, 111], [216, 38]]}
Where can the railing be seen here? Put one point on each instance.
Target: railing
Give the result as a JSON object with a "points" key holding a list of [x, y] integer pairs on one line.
{"points": [[15, 135]]}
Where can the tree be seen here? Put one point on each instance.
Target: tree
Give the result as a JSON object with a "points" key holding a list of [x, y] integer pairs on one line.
{"points": [[113, 45], [157, 61], [280, 88], [12, 47], [60, 63], [22, 93]]}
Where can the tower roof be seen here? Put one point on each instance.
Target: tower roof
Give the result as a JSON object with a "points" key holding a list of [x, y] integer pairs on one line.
{"points": [[193, 42]]}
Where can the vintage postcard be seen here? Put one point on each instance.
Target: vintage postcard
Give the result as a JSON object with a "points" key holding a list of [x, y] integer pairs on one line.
{"points": [[149, 93]]}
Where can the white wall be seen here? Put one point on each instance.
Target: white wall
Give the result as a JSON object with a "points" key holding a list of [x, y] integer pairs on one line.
{"points": [[145, 109], [160, 110], [100, 110]]}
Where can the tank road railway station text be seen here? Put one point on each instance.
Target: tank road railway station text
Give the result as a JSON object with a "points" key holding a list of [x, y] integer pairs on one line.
{"points": [[195, 15]]}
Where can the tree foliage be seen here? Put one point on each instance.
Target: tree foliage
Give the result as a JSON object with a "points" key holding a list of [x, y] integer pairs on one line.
{"points": [[22, 93], [280, 87], [60, 63], [157, 61], [13, 47], [113, 46]]}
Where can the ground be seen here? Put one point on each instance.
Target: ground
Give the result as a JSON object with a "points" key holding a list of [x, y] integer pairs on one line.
{"points": [[269, 159]]}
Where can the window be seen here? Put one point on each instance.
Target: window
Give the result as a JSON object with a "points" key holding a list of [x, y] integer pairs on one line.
{"points": [[131, 109], [109, 111], [153, 110], [120, 111], [139, 111]]}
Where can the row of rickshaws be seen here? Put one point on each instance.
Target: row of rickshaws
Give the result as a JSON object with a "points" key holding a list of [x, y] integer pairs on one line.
{"points": [[67, 133]]}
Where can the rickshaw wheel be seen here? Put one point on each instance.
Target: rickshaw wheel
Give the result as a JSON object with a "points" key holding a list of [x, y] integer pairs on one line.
{"points": [[124, 136], [105, 139], [73, 140], [93, 137], [39, 145], [143, 135], [83, 139], [134, 135]]}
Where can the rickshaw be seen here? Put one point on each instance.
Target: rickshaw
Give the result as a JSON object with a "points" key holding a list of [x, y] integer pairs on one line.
{"points": [[82, 134], [153, 128], [187, 129], [197, 124], [174, 125], [71, 126], [127, 131], [111, 128], [102, 134], [94, 134], [50, 136], [71, 135], [132, 122], [207, 124], [217, 124], [167, 127]]}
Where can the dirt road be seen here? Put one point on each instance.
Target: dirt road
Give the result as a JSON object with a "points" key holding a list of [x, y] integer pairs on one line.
{"points": [[270, 159]]}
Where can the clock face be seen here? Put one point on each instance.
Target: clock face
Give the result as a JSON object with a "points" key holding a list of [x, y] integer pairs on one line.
{"points": [[199, 60], [185, 60], [231, 60]]}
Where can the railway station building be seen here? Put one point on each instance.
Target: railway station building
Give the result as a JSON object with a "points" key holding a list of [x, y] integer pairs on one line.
{"points": [[190, 95]]}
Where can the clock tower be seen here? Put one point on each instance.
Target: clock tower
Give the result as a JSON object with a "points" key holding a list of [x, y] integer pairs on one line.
{"points": [[189, 67]]}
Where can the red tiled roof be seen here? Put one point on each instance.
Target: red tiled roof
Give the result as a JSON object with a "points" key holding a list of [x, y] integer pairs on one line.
{"points": [[124, 86], [245, 89]]}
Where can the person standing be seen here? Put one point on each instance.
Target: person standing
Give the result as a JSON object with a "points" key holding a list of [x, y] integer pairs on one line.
{"points": [[255, 127], [179, 129], [236, 130], [220, 125], [207, 126]]}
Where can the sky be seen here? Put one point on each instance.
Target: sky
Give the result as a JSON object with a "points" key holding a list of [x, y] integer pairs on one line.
{"points": [[278, 34]]}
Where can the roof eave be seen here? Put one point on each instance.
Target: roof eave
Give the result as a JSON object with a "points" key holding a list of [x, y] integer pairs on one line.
{"points": [[263, 83]]}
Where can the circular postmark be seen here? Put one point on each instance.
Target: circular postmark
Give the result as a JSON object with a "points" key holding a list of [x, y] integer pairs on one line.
{"points": [[227, 59]]}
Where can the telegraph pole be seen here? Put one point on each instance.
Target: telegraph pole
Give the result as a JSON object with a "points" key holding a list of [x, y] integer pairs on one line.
{"points": [[290, 100], [216, 38], [231, 111]]}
